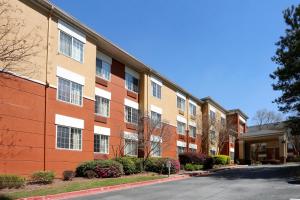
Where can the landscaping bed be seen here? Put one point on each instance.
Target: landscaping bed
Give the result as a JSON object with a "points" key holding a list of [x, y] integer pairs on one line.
{"points": [[78, 183]]}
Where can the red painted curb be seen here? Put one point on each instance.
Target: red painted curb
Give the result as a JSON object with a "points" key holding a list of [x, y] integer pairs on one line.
{"points": [[104, 189]]}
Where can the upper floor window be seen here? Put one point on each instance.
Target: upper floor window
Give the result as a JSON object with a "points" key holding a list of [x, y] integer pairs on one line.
{"points": [[131, 115], [102, 69], [69, 91], [181, 128], [192, 109], [192, 131], [223, 121], [68, 137], [131, 83], [102, 106], [212, 115], [180, 103], [155, 119], [156, 90], [71, 46]]}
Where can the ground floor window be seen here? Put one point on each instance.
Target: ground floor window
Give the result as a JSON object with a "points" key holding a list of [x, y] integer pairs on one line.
{"points": [[180, 150], [156, 149], [231, 155], [212, 152], [101, 143], [192, 150], [68, 138], [131, 147]]}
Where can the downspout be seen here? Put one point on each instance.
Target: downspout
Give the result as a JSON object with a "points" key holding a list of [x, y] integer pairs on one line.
{"points": [[187, 125], [46, 86]]}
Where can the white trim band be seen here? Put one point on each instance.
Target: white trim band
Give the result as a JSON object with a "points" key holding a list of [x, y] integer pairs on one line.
{"points": [[131, 136], [193, 102], [193, 146], [71, 31], [158, 82], [155, 138], [102, 93], [231, 149], [181, 144], [131, 104], [181, 119], [192, 123], [211, 108], [132, 72], [101, 130], [223, 115], [241, 119], [69, 75], [181, 95], [156, 109], [104, 57], [69, 121]]}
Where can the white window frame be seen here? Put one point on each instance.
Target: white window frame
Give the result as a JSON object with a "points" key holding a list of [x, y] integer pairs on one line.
{"points": [[190, 127], [101, 76], [71, 82], [192, 106], [181, 103], [99, 114], [126, 114], [184, 127], [107, 147], [155, 90], [69, 127]]}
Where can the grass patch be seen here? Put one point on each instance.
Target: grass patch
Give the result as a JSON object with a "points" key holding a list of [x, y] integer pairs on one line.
{"points": [[75, 186]]}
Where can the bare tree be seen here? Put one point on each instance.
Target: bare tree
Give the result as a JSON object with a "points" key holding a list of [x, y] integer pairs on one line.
{"points": [[265, 116], [17, 46]]}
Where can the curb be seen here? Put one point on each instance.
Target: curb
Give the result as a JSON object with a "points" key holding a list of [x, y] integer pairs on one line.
{"points": [[100, 190]]}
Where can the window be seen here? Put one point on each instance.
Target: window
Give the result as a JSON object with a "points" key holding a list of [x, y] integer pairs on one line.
{"points": [[192, 150], [231, 155], [101, 143], [131, 83], [102, 106], [212, 137], [156, 90], [69, 91], [131, 147], [71, 47], [192, 110], [192, 131], [102, 69], [212, 115], [156, 149], [68, 138], [180, 150], [180, 103], [181, 128], [155, 119], [131, 115], [223, 122], [212, 152]]}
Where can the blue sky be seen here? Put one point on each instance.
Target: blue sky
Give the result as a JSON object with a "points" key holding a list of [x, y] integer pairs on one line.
{"points": [[218, 48]]}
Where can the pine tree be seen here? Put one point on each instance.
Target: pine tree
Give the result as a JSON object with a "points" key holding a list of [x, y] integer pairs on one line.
{"points": [[287, 74]]}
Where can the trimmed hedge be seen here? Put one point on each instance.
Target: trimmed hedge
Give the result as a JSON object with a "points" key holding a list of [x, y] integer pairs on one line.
{"points": [[129, 166], [192, 157], [158, 165], [112, 168], [11, 181], [193, 167], [208, 163], [42, 177], [221, 160]]}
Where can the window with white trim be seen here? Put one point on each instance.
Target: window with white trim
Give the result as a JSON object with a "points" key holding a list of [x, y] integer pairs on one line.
{"points": [[223, 121], [156, 90], [131, 115], [131, 83], [131, 147], [181, 128], [192, 131], [68, 137], [212, 137], [192, 150], [156, 148], [69, 91], [102, 69], [180, 150], [155, 119], [193, 111], [212, 115], [212, 152], [102, 106], [101, 143], [180, 103], [70, 46]]}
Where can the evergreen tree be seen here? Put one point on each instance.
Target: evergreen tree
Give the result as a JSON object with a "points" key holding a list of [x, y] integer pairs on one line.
{"points": [[287, 74]]}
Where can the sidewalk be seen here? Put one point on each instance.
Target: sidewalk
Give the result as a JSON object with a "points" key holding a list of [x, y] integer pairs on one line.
{"points": [[93, 191]]}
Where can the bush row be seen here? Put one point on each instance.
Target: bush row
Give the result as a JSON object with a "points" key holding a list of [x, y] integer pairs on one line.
{"points": [[193, 167]]}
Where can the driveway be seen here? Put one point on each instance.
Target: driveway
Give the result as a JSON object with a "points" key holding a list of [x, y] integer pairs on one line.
{"points": [[257, 183]]}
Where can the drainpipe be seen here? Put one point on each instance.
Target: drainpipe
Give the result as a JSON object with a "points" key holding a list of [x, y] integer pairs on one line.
{"points": [[187, 125], [46, 85]]}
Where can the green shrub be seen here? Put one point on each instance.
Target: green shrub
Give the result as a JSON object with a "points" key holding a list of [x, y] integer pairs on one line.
{"points": [[221, 160], [138, 162], [42, 177], [99, 164], [11, 181], [158, 165], [128, 165], [68, 175], [90, 174], [193, 167], [208, 163]]}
